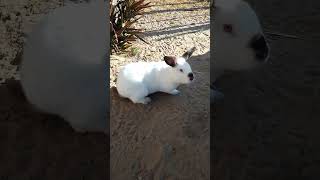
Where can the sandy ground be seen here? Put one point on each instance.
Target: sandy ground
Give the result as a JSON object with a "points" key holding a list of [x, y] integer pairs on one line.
{"points": [[169, 138], [267, 126]]}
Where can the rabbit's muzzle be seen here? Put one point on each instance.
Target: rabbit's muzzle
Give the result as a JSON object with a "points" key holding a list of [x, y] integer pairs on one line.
{"points": [[260, 47]]}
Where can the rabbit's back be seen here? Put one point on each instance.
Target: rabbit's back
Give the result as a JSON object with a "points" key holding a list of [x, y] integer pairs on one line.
{"points": [[136, 71], [132, 77]]}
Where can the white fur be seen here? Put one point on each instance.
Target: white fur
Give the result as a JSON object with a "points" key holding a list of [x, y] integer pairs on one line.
{"points": [[231, 52], [227, 4], [137, 80], [64, 70]]}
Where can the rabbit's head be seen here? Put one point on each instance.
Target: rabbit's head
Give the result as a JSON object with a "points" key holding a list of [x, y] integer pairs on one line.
{"points": [[239, 40], [180, 71]]}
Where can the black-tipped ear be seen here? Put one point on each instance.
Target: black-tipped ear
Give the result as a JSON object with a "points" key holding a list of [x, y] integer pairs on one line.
{"points": [[188, 54], [170, 60]]}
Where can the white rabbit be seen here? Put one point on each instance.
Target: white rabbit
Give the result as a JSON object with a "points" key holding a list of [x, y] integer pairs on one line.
{"points": [[239, 42], [64, 70], [137, 80]]}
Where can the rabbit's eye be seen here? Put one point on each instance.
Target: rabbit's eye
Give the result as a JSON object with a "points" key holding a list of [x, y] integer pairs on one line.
{"points": [[181, 70], [227, 28]]}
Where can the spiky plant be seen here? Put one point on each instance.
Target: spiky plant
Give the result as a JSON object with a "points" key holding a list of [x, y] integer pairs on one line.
{"points": [[123, 14]]}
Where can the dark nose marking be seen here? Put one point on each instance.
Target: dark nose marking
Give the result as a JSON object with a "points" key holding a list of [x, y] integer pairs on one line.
{"points": [[190, 75], [259, 45]]}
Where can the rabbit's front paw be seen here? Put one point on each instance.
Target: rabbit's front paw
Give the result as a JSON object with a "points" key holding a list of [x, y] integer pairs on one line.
{"points": [[174, 92], [79, 129], [144, 100]]}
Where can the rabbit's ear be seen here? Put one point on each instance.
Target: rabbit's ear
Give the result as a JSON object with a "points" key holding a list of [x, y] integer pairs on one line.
{"points": [[188, 54], [170, 60]]}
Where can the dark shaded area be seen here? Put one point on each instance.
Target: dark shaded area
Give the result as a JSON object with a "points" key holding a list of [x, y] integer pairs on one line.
{"points": [[267, 127], [36, 145]]}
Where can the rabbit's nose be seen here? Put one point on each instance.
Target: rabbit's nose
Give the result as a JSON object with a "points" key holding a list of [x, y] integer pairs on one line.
{"points": [[260, 47], [190, 75]]}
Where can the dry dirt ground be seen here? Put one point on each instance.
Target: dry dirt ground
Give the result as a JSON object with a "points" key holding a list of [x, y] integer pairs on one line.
{"points": [[169, 138], [267, 126]]}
